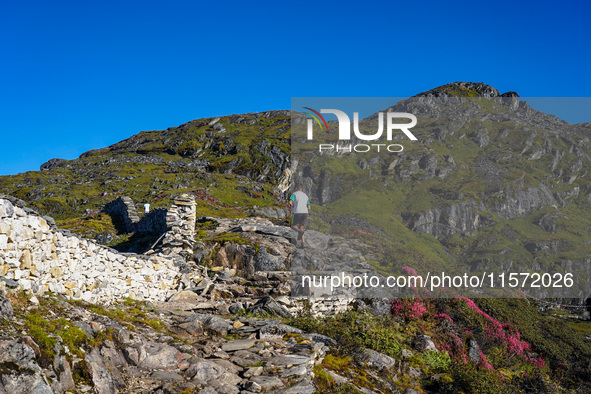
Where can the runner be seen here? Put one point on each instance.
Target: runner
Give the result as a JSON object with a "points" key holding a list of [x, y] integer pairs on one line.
{"points": [[300, 206]]}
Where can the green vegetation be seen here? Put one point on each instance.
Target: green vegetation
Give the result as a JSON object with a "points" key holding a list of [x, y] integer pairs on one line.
{"points": [[355, 331], [169, 168], [132, 312], [517, 350], [564, 346]]}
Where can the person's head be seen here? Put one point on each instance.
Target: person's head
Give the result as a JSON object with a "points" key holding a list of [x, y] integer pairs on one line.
{"points": [[299, 187]]}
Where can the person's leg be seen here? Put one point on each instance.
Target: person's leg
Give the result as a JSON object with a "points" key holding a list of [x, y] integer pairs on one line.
{"points": [[295, 226], [294, 223], [302, 224]]}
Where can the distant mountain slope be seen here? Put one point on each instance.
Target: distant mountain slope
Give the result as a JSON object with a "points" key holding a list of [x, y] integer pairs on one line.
{"points": [[216, 154], [491, 185]]}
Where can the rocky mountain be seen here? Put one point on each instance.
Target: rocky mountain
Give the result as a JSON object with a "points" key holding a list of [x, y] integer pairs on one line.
{"points": [[490, 185], [236, 156], [199, 294]]}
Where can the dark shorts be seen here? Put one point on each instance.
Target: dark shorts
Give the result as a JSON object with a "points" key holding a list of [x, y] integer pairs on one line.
{"points": [[299, 219]]}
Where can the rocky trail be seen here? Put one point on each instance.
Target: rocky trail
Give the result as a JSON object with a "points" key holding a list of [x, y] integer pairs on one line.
{"points": [[222, 329]]}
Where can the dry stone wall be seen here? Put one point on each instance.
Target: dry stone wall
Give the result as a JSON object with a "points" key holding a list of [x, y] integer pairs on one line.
{"points": [[126, 218], [35, 257]]}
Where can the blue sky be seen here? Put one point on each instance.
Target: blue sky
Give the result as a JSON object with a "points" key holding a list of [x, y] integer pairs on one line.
{"points": [[78, 75]]}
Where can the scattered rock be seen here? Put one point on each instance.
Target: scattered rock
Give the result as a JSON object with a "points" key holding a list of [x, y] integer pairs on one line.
{"points": [[268, 305], [204, 370], [267, 383], [474, 351], [241, 344], [424, 342], [213, 323], [378, 360], [277, 331]]}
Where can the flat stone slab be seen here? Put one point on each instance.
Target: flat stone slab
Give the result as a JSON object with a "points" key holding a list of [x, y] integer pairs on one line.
{"points": [[244, 358], [299, 370], [174, 305], [277, 331], [240, 344], [289, 360], [300, 388], [268, 382], [166, 376]]}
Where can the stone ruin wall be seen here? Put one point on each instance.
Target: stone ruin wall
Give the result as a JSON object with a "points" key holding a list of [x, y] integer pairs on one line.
{"points": [[127, 219], [35, 257]]}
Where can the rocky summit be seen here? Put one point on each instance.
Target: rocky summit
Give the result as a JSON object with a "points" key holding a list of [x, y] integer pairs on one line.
{"points": [[199, 292]]}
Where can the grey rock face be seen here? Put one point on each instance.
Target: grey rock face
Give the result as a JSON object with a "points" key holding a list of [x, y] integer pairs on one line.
{"points": [[104, 238], [236, 307], [24, 383], [205, 370], [481, 88], [328, 341], [5, 308], [465, 217], [480, 138], [245, 358], [6, 208], [160, 356], [18, 353], [521, 202], [271, 212], [263, 261], [548, 222], [239, 344], [267, 383], [51, 164], [462, 217], [25, 375]]}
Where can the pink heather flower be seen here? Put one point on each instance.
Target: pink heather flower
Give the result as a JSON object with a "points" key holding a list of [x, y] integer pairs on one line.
{"points": [[409, 309], [444, 316], [409, 270], [484, 362], [540, 363], [501, 332]]}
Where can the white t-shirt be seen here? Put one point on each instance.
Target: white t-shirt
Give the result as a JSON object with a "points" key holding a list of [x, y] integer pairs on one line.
{"points": [[300, 202], [147, 208]]}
